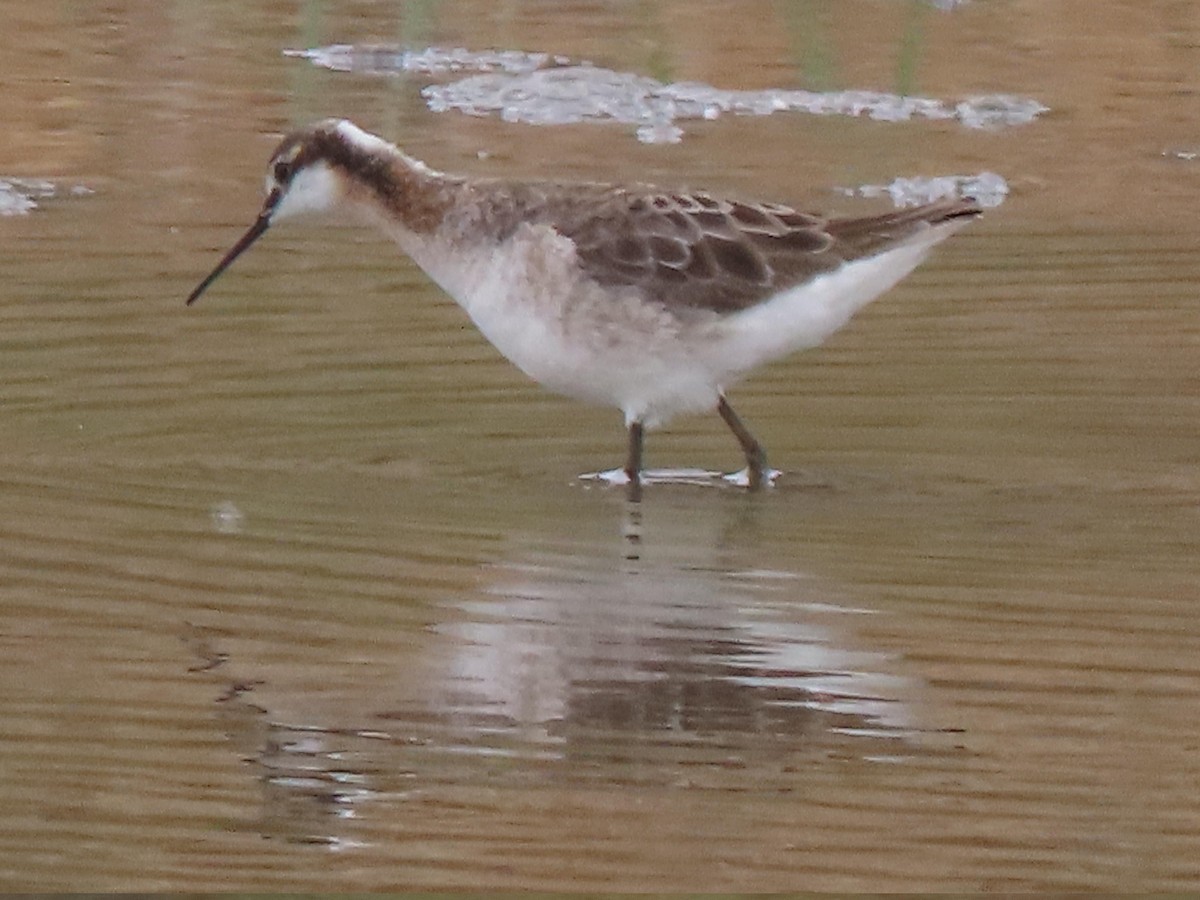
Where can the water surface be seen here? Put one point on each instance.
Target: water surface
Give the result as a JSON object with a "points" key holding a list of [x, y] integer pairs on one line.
{"points": [[299, 588]]}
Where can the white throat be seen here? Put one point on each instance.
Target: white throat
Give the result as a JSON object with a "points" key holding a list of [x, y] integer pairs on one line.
{"points": [[314, 189]]}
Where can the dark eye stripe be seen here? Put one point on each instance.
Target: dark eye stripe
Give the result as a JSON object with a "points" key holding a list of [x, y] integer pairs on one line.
{"points": [[282, 171]]}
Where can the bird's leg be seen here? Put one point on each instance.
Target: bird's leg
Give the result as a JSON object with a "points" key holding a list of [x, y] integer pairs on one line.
{"points": [[756, 456], [633, 461]]}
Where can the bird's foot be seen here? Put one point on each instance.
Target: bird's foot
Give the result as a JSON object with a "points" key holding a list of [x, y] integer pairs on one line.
{"points": [[699, 477], [748, 478]]}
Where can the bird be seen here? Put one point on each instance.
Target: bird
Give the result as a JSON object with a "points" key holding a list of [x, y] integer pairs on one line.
{"points": [[651, 300]]}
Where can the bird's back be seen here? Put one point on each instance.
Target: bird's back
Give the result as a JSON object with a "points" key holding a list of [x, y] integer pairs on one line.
{"points": [[694, 250]]}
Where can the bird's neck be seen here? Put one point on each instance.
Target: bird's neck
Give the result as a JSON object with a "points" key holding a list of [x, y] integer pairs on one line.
{"points": [[401, 192]]}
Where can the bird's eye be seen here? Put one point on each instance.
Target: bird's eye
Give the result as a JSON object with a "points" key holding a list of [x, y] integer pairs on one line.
{"points": [[282, 171]]}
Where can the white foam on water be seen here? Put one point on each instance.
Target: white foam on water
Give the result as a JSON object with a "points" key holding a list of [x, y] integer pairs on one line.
{"points": [[547, 89], [387, 59], [19, 196], [573, 94], [987, 189]]}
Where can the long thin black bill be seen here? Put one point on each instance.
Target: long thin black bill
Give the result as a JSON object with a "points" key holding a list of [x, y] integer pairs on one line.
{"points": [[252, 234]]}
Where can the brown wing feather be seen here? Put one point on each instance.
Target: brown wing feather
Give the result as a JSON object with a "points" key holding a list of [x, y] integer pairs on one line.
{"points": [[867, 235], [695, 250], [702, 252]]}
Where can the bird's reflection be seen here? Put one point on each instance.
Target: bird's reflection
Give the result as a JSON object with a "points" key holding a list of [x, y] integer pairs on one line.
{"points": [[594, 660], [666, 660]]}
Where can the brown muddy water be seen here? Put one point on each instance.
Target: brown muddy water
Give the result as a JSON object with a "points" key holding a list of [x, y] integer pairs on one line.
{"points": [[299, 588]]}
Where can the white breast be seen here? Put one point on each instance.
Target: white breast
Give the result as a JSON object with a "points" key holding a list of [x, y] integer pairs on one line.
{"points": [[570, 335]]}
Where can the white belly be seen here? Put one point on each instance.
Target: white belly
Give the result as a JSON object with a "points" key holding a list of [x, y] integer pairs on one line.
{"points": [[573, 337]]}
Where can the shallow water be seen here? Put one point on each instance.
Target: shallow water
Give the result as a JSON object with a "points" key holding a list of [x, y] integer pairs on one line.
{"points": [[300, 589]]}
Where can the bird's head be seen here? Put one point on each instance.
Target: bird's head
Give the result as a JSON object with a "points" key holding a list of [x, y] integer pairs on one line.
{"points": [[306, 174]]}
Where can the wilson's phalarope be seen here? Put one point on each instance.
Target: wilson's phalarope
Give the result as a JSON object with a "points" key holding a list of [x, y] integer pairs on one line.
{"points": [[628, 295]]}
